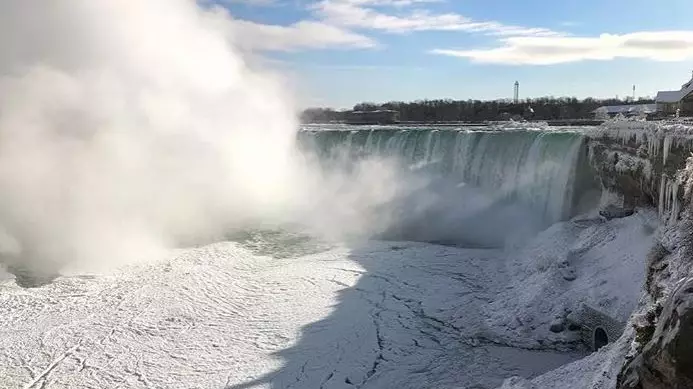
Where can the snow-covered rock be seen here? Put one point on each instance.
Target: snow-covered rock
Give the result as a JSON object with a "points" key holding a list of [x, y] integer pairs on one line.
{"points": [[666, 360]]}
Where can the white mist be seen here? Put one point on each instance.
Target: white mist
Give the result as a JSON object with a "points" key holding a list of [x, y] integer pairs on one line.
{"points": [[127, 127]]}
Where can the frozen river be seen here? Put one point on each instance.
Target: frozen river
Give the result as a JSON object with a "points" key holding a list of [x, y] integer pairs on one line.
{"points": [[375, 315]]}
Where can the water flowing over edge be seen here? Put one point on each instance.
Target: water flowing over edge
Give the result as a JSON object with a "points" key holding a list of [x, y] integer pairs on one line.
{"points": [[545, 171]]}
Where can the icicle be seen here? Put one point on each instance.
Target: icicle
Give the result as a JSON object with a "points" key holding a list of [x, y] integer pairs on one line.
{"points": [[675, 207], [666, 148], [663, 196], [669, 205]]}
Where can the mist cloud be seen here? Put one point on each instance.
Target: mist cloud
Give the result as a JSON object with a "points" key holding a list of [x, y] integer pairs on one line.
{"points": [[127, 127]]}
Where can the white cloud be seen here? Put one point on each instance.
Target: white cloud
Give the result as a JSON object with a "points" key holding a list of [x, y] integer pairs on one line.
{"points": [[363, 14], [394, 3], [657, 45], [570, 23], [302, 35], [333, 23], [260, 3]]}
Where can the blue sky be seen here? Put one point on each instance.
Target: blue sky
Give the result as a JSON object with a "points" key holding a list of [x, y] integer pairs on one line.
{"points": [[340, 52]]}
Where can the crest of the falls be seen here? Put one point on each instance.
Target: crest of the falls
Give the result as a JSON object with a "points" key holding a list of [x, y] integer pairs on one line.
{"points": [[544, 171]]}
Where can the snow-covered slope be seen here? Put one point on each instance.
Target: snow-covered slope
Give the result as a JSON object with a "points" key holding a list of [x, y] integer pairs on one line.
{"points": [[374, 315], [605, 258]]}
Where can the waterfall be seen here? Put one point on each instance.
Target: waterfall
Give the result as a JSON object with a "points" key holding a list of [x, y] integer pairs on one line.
{"points": [[535, 168]]}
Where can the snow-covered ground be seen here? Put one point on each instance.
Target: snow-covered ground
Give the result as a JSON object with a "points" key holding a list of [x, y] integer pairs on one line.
{"points": [[370, 315]]}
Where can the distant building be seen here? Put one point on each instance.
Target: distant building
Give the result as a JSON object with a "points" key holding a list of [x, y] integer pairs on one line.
{"points": [[372, 117], [625, 110], [673, 102]]}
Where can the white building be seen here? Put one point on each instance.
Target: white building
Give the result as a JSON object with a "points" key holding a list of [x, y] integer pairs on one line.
{"points": [[671, 102], [625, 110]]}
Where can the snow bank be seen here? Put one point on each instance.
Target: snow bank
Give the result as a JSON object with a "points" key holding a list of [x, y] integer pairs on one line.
{"points": [[373, 315], [596, 371], [606, 260]]}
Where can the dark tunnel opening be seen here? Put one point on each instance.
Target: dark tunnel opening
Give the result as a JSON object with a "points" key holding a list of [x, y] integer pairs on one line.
{"points": [[601, 339]]}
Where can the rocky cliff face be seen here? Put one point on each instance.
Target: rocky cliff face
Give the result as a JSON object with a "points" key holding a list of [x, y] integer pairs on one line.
{"points": [[666, 359], [662, 352], [651, 165], [640, 163]]}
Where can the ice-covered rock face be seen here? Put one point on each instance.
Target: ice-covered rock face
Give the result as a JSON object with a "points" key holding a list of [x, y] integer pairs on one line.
{"points": [[650, 164], [641, 164], [666, 361]]}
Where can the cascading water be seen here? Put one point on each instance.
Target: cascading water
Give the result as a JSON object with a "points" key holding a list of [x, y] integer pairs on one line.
{"points": [[538, 170]]}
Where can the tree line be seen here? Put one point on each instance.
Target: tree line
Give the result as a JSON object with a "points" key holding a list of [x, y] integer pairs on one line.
{"points": [[447, 110]]}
